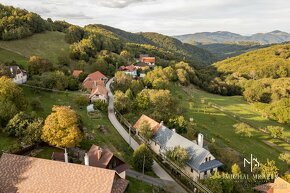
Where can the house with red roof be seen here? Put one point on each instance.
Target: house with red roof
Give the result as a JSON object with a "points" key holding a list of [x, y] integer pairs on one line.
{"points": [[76, 73], [131, 70], [95, 84], [150, 61]]}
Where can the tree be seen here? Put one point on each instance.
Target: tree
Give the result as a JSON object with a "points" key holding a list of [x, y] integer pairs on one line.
{"points": [[81, 100], [243, 129], [74, 34], [4, 70], [269, 169], [285, 157], [145, 130], [122, 101], [37, 65], [33, 132], [25, 127], [179, 155], [138, 158], [276, 131], [61, 128], [18, 124], [236, 169], [182, 76], [11, 100], [179, 123], [122, 81]]}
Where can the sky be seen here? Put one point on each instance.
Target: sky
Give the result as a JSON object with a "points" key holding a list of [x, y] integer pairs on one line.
{"points": [[170, 17]]}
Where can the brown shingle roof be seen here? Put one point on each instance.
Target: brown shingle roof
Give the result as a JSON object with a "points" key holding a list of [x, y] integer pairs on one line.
{"points": [[27, 174], [101, 158], [154, 125], [279, 186]]}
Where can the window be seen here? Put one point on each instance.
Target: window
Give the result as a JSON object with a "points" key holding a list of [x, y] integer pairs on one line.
{"points": [[209, 158], [205, 173], [211, 171], [191, 170], [206, 159]]}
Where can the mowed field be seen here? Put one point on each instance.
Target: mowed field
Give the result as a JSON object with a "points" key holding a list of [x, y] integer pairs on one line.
{"points": [[48, 45], [8, 56], [215, 116]]}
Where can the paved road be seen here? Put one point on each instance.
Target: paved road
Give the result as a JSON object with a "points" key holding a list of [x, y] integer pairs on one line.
{"points": [[158, 170]]}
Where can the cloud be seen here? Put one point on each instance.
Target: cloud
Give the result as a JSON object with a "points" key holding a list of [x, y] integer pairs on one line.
{"points": [[170, 17], [118, 3]]}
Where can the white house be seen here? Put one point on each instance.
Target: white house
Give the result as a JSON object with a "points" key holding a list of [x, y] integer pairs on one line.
{"points": [[201, 162], [18, 76]]}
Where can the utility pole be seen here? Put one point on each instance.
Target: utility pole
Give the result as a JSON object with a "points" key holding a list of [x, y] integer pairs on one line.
{"points": [[130, 136], [143, 165]]}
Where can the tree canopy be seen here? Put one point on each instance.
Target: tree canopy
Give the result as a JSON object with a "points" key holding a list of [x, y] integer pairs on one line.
{"points": [[61, 128]]}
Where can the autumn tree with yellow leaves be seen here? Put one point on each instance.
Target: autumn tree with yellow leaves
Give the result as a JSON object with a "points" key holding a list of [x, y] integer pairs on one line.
{"points": [[61, 128]]}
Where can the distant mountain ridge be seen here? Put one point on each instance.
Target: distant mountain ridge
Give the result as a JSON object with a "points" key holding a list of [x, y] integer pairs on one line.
{"points": [[229, 37]]}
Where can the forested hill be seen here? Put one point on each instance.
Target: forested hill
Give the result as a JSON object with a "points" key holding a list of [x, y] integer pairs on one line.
{"points": [[271, 62], [17, 23], [261, 76], [189, 52], [226, 37]]}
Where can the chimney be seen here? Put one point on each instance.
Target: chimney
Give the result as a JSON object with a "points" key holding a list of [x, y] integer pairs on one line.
{"points": [[200, 140], [99, 154], [87, 162], [65, 156], [174, 130], [161, 123]]}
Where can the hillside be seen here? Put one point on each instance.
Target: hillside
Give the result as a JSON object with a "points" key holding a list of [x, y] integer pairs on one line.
{"points": [[225, 37], [271, 62], [165, 43], [261, 76], [18, 23], [226, 50], [48, 45]]}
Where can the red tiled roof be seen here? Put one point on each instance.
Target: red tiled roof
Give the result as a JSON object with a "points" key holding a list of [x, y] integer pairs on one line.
{"points": [[24, 174], [148, 59], [96, 76], [89, 84], [279, 186], [154, 125], [76, 73], [99, 90], [130, 68]]}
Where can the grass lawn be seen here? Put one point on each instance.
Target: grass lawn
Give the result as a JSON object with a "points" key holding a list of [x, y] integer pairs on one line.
{"points": [[217, 124], [6, 141], [8, 56], [111, 139], [48, 45], [137, 186]]}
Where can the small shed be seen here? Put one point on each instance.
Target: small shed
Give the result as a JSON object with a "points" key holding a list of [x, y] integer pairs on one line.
{"points": [[90, 108]]}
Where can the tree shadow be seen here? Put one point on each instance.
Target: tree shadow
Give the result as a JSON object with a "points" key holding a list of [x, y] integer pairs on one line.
{"points": [[12, 170]]}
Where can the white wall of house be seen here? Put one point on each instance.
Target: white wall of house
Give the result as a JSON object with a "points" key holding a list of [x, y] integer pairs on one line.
{"points": [[155, 147], [99, 97], [20, 78]]}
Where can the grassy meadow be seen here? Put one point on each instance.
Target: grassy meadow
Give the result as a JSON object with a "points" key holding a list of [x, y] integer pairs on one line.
{"points": [[48, 45], [8, 56], [215, 116]]}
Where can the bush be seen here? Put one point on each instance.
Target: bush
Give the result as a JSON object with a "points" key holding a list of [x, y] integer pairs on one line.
{"points": [[138, 158], [102, 106]]}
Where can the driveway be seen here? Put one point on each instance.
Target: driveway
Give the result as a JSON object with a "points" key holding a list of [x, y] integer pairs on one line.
{"points": [[158, 170]]}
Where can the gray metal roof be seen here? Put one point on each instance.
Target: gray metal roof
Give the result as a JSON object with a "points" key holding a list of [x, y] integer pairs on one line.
{"points": [[209, 165], [168, 139]]}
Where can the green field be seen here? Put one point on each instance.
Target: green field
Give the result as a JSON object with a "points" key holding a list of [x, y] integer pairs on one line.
{"points": [[8, 56], [48, 45], [216, 122], [110, 139]]}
